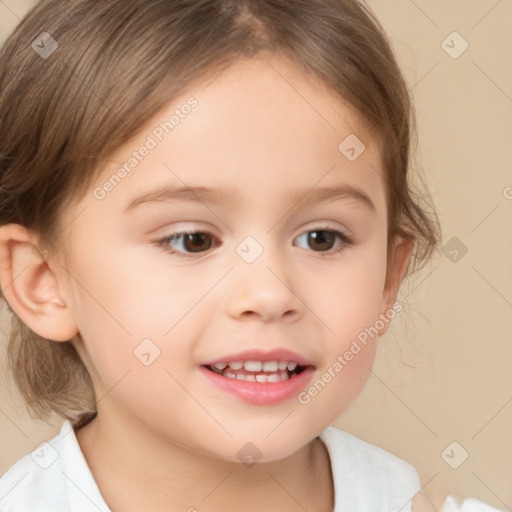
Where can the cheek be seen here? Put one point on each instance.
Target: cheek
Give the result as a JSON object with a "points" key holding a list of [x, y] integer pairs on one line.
{"points": [[136, 368], [141, 324], [349, 295], [129, 319], [348, 303], [127, 296], [336, 387]]}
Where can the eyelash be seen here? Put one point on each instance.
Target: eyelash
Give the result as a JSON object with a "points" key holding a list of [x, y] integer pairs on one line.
{"points": [[163, 243]]}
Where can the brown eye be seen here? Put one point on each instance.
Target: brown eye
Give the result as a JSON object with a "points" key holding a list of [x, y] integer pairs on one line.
{"points": [[186, 243], [197, 242], [324, 240]]}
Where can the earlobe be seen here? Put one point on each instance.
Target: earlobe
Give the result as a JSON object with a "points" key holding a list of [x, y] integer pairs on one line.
{"points": [[396, 270], [30, 286]]}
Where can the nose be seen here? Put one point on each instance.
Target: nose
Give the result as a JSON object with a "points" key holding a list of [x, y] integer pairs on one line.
{"points": [[263, 290]]}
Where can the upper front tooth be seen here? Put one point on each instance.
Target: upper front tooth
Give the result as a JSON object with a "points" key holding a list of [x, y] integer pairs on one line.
{"points": [[292, 366], [253, 366], [236, 365], [270, 366], [283, 365]]}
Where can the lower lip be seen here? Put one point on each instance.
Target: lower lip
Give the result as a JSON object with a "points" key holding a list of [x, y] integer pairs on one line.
{"points": [[261, 393]]}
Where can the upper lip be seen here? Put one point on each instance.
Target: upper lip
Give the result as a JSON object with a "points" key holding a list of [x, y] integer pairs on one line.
{"points": [[277, 354]]}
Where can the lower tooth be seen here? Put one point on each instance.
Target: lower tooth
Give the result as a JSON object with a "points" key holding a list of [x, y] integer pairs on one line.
{"points": [[260, 377]]}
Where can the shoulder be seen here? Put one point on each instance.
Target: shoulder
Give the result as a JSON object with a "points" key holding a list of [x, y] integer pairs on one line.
{"points": [[55, 476], [424, 503], [34, 482], [351, 451], [375, 477]]}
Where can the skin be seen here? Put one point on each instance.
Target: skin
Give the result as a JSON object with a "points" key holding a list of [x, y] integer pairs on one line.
{"points": [[164, 438]]}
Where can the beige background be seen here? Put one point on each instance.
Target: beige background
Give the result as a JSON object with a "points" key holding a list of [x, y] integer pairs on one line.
{"points": [[443, 371]]}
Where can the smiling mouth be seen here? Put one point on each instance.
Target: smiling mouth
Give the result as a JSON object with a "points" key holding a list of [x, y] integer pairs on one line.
{"points": [[257, 371]]}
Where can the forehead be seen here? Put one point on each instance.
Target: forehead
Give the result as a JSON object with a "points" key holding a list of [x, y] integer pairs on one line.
{"points": [[259, 126]]}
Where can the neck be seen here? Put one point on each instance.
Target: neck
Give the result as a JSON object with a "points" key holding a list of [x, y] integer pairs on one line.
{"points": [[136, 469]]}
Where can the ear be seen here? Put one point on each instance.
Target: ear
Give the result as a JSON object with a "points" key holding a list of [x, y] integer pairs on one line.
{"points": [[30, 287], [398, 261]]}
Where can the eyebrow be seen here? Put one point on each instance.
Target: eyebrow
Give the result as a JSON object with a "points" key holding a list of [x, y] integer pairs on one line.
{"points": [[217, 196]]}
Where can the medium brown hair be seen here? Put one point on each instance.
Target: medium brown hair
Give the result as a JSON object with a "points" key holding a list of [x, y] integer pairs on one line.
{"points": [[118, 62]]}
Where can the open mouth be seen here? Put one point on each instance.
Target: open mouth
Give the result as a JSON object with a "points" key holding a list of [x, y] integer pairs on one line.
{"points": [[259, 378], [257, 371]]}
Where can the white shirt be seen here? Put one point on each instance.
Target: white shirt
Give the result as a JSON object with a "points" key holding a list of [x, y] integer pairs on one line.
{"points": [[55, 477]]}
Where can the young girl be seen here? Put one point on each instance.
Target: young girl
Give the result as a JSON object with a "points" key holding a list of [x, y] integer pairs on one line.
{"points": [[205, 219]]}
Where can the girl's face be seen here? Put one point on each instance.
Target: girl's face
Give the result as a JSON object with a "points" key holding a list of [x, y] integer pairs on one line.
{"points": [[287, 268]]}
